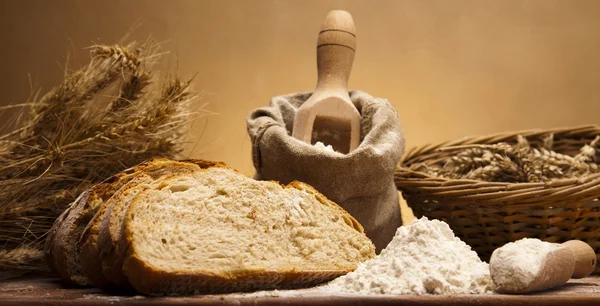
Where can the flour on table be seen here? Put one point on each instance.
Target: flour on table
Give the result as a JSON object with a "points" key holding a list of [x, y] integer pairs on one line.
{"points": [[517, 263], [424, 257]]}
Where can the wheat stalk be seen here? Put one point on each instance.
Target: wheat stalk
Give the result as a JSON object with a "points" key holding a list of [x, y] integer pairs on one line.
{"points": [[107, 116], [464, 162], [19, 260], [502, 162]]}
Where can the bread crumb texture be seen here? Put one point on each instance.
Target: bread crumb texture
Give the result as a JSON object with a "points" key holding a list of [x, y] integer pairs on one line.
{"points": [[216, 230]]}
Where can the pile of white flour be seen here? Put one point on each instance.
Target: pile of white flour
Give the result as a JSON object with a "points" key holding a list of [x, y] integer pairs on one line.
{"points": [[424, 257]]}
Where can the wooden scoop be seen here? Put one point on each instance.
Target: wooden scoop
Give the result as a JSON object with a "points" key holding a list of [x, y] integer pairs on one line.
{"points": [[329, 116], [572, 259]]}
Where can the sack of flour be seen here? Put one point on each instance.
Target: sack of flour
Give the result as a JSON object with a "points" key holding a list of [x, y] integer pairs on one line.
{"points": [[360, 181]]}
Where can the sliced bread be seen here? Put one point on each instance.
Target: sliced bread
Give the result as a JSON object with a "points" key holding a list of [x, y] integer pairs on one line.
{"points": [[90, 256], [94, 246], [215, 230], [111, 229], [111, 264], [62, 246]]}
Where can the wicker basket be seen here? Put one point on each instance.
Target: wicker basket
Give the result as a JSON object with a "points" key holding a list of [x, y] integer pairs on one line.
{"points": [[486, 215]]}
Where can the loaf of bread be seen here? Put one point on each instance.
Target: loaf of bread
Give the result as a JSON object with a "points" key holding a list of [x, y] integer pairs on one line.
{"points": [[63, 247], [208, 229]]}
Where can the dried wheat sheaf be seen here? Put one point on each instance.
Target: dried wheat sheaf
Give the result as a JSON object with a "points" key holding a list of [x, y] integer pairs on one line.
{"points": [[521, 162], [109, 115]]}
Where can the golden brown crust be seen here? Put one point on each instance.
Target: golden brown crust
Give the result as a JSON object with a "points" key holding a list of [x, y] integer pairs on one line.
{"points": [[147, 280], [112, 261], [89, 257], [62, 244], [205, 164], [65, 247], [49, 243]]}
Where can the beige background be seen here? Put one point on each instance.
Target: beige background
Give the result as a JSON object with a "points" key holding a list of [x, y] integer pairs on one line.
{"points": [[451, 68]]}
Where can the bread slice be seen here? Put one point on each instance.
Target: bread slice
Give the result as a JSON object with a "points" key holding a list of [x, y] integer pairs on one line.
{"points": [[90, 255], [62, 246], [111, 264], [216, 230], [92, 252], [111, 228], [49, 240], [64, 249]]}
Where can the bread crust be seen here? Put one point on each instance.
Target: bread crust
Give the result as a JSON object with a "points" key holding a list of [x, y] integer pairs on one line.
{"points": [[49, 242], [150, 281], [93, 244], [63, 246], [147, 279], [111, 265], [98, 255]]}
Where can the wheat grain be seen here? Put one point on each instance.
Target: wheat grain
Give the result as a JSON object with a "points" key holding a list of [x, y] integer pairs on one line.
{"points": [[106, 116], [502, 162], [23, 255], [20, 260], [548, 141]]}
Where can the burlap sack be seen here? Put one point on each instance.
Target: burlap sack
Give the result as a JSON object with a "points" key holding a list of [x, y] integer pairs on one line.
{"points": [[361, 181]]}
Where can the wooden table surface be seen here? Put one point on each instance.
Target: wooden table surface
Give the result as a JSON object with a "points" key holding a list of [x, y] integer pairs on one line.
{"points": [[48, 291]]}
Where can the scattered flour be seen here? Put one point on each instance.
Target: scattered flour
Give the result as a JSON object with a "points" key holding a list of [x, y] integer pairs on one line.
{"points": [[516, 264], [322, 146], [111, 299], [424, 257]]}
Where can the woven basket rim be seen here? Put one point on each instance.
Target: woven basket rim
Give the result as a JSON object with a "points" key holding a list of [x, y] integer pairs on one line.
{"points": [[422, 176], [583, 188]]}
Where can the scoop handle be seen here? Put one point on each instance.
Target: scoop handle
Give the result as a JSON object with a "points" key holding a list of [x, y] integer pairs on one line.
{"points": [[584, 255], [336, 46]]}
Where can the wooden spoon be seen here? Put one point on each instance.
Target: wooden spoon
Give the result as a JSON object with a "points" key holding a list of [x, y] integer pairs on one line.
{"points": [[572, 259], [329, 116]]}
